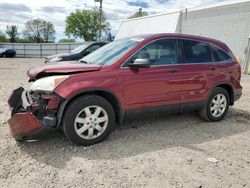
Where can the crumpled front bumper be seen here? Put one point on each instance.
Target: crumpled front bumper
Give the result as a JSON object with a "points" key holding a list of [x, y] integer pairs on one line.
{"points": [[23, 123]]}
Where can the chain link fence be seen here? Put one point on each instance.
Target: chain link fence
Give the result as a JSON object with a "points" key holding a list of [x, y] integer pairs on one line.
{"points": [[39, 49]]}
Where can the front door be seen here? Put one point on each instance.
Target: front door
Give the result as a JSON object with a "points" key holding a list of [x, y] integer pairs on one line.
{"points": [[158, 85]]}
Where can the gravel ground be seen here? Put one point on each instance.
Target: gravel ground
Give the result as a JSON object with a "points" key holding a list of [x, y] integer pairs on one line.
{"points": [[173, 151]]}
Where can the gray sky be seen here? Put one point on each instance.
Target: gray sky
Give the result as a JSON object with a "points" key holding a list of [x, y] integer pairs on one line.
{"points": [[17, 12]]}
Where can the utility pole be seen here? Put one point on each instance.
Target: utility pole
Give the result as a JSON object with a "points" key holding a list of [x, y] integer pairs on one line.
{"points": [[100, 19], [247, 59]]}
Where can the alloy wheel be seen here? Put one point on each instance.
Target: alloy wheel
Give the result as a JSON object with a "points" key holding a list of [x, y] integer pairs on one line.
{"points": [[91, 122], [218, 105]]}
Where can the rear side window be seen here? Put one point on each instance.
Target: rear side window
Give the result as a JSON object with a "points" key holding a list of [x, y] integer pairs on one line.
{"points": [[220, 55], [195, 52]]}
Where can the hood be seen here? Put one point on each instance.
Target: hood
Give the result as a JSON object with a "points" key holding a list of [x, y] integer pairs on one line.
{"points": [[57, 68], [2, 50], [60, 55]]}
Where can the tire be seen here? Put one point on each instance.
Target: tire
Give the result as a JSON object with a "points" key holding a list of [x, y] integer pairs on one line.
{"points": [[20, 139], [82, 116], [208, 112]]}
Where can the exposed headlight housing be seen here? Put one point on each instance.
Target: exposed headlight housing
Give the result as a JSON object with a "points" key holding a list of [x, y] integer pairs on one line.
{"points": [[47, 84], [56, 59]]}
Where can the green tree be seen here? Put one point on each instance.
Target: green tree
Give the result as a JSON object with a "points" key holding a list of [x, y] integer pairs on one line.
{"points": [[3, 37], [138, 14], [12, 32], [66, 40], [39, 30], [84, 24]]}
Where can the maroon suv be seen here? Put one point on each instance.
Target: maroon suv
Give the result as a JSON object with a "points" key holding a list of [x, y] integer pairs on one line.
{"points": [[149, 74]]}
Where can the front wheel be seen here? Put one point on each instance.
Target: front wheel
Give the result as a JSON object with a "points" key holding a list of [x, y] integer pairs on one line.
{"points": [[216, 106], [88, 120]]}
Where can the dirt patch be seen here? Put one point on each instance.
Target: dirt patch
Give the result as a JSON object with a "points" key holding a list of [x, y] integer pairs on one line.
{"points": [[177, 150]]}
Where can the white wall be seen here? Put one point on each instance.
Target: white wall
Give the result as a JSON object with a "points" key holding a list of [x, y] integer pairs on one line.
{"points": [[229, 23]]}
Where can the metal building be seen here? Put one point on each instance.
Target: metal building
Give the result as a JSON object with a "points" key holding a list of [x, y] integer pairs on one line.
{"points": [[228, 21]]}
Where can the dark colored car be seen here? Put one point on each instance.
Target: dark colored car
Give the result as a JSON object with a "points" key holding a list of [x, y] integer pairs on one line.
{"points": [[7, 52], [75, 54], [142, 75]]}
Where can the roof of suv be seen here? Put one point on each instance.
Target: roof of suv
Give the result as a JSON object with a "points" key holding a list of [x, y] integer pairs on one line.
{"points": [[184, 36]]}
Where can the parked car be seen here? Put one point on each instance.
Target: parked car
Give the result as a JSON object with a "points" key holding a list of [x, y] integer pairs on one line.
{"points": [[7, 52], [75, 54], [142, 75]]}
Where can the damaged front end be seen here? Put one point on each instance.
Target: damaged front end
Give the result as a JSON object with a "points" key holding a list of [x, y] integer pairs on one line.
{"points": [[38, 109], [32, 112]]}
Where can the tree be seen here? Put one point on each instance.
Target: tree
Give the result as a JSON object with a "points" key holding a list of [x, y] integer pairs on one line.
{"points": [[84, 24], [66, 40], [12, 32], [138, 14], [3, 37], [39, 30], [48, 32]]}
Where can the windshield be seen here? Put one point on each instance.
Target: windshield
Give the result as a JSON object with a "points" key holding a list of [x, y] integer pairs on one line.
{"points": [[80, 48], [111, 52]]}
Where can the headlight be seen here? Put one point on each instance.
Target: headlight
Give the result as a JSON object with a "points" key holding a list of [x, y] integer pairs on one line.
{"points": [[48, 83], [55, 59]]}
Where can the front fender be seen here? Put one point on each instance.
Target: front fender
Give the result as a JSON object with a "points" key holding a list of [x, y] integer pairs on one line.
{"points": [[65, 103]]}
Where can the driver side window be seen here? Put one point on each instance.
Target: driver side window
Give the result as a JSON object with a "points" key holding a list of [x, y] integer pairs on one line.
{"points": [[160, 52]]}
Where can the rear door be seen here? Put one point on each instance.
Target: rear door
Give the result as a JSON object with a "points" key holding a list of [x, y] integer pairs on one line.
{"points": [[158, 85], [197, 67]]}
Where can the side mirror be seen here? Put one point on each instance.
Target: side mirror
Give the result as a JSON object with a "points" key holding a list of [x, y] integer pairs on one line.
{"points": [[140, 63]]}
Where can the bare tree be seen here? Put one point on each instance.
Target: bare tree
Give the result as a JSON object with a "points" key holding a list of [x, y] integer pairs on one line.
{"points": [[39, 31]]}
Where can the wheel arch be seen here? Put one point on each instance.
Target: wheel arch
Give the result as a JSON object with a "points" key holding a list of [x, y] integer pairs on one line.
{"points": [[108, 95], [229, 89]]}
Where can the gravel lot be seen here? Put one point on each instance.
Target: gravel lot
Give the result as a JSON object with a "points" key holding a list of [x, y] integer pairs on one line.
{"points": [[173, 151]]}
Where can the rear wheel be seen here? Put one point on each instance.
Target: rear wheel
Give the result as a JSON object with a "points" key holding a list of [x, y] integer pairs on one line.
{"points": [[88, 120], [216, 106]]}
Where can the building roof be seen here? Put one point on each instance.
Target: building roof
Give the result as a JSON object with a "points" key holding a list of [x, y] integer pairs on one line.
{"points": [[164, 22], [158, 23], [222, 3]]}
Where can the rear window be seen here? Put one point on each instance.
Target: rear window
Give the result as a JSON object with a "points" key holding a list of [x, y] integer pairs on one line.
{"points": [[195, 52], [220, 55]]}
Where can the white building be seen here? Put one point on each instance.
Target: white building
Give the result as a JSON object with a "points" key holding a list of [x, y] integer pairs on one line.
{"points": [[228, 21]]}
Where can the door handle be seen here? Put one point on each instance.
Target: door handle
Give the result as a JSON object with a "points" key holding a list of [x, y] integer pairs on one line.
{"points": [[172, 70], [212, 68]]}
